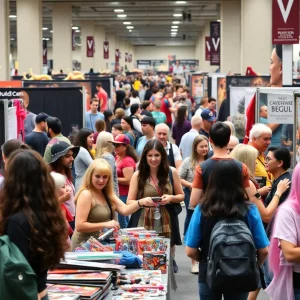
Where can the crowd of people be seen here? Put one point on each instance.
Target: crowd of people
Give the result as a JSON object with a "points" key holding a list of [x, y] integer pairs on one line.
{"points": [[137, 166]]}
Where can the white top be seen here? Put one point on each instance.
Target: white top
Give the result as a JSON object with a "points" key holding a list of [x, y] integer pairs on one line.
{"points": [[177, 70], [117, 85], [137, 125], [176, 152], [187, 143]]}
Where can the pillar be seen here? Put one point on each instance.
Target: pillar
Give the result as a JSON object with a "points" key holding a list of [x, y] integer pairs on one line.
{"points": [[62, 36], [29, 36], [256, 35], [231, 36], [4, 40], [87, 29], [99, 61]]}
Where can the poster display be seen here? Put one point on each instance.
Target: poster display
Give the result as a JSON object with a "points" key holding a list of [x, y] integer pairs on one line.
{"points": [[215, 43], [197, 87], [90, 46], [11, 83], [188, 65], [45, 50], [106, 49], [11, 123], [297, 133], [280, 109], [207, 48], [53, 101], [155, 65], [285, 22]]}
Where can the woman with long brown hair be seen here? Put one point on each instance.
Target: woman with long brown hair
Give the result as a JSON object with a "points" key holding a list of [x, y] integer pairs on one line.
{"points": [[31, 216], [181, 125], [96, 203], [155, 178]]}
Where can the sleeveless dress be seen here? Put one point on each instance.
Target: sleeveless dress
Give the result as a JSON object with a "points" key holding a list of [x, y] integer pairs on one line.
{"points": [[98, 214]]}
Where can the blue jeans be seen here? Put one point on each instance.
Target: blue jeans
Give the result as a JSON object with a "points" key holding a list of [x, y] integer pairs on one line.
{"points": [[267, 273], [297, 294], [189, 212], [45, 297], [206, 294], [123, 220]]}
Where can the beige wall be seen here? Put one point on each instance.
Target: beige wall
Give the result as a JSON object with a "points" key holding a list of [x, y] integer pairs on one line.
{"points": [[157, 52]]}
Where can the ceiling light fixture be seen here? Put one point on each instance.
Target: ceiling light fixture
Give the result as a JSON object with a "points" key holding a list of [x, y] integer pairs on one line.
{"points": [[77, 30], [119, 10], [218, 20], [45, 28], [177, 15], [51, 31], [75, 27], [12, 16], [130, 30], [127, 23], [174, 26], [176, 22], [180, 2], [121, 16], [12, 39], [129, 27], [174, 30]]}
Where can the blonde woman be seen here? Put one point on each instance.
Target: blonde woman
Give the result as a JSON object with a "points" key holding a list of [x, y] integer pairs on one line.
{"points": [[186, 172], [104, 149], [96, 203]]}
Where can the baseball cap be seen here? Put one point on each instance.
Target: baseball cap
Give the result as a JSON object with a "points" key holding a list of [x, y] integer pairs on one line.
{"points": [[148, 120], [208, 115], [121, 139], [41, 117]]}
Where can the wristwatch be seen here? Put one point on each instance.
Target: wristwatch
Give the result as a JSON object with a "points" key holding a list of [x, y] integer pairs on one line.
{"points": [[257, 195]]}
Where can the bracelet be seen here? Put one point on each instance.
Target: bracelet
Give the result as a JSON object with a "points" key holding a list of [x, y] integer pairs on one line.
{"points": [[139, 204], [277, 196]]}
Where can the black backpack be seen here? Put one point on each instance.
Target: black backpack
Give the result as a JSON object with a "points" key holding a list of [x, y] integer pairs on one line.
{"points": [[231, 262]]}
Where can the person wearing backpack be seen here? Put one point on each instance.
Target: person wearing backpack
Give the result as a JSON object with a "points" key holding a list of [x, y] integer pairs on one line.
{"points": [[227, 237], [136, 117], [30, 220]]}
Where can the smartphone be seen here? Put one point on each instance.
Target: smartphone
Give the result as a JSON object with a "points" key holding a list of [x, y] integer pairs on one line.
{"points": [[156, 199]]}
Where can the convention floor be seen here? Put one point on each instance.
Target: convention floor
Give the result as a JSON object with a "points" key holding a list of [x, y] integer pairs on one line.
{"points": [[187, 282]]}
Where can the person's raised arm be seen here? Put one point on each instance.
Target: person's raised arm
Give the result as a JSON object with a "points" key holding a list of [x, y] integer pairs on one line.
{"points": [[127, 173]]}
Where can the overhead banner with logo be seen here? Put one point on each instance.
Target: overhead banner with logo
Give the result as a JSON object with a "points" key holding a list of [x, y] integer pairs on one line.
{"points": [[207, 48], [117, 55], [285, 22], [106, 50], [130, 58], [126, 57], [45, 50], [215, 43], [73, 40], [90, 46]]}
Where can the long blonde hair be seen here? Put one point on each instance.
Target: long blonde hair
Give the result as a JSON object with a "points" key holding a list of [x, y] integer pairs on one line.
{"points": [[247, 155], [103, 143], [195, 156], [102, 167]]}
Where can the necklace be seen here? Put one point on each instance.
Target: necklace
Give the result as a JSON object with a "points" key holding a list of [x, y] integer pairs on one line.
{"points": [[157, 214]]}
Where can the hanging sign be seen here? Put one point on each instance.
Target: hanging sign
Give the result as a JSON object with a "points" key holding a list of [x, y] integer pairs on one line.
{"points": [[207, 48], [117, 55], [45, 52], [130, 58], [280, 109], [285, 22], [215, 43], [90, 46], [73, 40], [126, 57], [106, 50]]}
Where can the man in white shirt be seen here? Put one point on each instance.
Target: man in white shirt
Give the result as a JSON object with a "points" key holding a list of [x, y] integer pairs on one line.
{"points": [[203, 105], [177, 69], [188, 138], [173, 153]]}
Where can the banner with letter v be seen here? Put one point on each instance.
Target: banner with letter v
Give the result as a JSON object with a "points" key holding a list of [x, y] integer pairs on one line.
{"points": [[90, 46], [215, 43]]}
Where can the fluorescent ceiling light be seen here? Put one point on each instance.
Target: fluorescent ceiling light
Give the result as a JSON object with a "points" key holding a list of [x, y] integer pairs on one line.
{"points": [[174, 30], [177, 15], [127, 23], [130, 30], [77, 30], [12, 16], [176, 22], [180, 2], [218, 20], [75, 27], [121, 16], [129, 27], [51, 31], [45, 28], [12, 39], [174, 26], [119, 10], [78, 44]]}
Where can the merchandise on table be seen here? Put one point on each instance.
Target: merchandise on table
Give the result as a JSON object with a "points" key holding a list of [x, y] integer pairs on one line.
{"points": [[92, 256], [155, 261], [86, 265], [62, 296]]}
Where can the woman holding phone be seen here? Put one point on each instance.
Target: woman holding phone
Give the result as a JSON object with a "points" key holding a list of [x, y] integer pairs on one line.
{"points": [[155, 178]]}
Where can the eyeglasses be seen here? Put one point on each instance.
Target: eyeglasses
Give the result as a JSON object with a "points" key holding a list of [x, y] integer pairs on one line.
{"points": [[268, 159], [118, 145]]}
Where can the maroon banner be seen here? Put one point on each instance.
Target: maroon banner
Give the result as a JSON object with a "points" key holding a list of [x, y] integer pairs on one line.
{"points": [[215, 43], [90, 46], [130, 57], [45, 52], [106, 50], [126, 57], [207, 48], [117, 55], [285, 22], [73, 40]]}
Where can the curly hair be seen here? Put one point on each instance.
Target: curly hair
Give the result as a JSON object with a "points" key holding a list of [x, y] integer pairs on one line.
{"points": [[32, 192], [144, 169]]}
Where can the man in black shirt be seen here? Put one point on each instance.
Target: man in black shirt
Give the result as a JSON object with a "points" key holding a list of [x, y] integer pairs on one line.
{"points": [[37, 139]]}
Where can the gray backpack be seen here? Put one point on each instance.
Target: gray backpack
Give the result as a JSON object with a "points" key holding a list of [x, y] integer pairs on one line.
{"points": [[231, 262]]}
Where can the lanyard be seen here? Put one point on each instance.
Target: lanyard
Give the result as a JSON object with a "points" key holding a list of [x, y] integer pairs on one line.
{"points": [[156, 186]]}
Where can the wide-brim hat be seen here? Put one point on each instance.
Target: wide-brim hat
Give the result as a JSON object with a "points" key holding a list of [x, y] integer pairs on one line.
{"points": [[60, 149]]}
